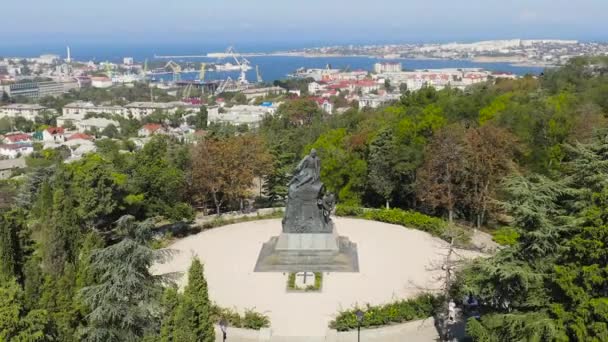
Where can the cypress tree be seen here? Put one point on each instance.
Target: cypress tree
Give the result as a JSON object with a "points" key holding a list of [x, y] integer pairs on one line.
{"points": [[170, 304], [8, 250], [193, 321]]}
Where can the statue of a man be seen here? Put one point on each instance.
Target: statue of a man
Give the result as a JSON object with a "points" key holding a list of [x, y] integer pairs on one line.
{"points": [[308, 170]]}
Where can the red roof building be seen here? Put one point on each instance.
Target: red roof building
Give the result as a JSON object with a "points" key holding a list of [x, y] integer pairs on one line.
{"points": [[81, 136], [55, 130], [17, 138], [150, 129]]}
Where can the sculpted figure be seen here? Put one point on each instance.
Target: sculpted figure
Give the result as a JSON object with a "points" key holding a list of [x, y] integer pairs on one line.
{"points": [[308, 171]]}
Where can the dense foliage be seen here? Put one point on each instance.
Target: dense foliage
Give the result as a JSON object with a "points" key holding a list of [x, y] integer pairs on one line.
{"points": [[410, 219], [420, 307]]}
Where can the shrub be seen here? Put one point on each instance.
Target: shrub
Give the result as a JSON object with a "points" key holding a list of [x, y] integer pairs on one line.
{"points": [[342, 210], [421, 307], [251, 320], [506, 236]]}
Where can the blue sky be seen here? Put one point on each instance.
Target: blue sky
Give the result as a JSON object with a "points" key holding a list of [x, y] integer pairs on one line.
{"points": [[298, 22]]}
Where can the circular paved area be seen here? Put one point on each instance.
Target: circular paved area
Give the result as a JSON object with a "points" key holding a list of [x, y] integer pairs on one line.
{"points": [[394, 262]]}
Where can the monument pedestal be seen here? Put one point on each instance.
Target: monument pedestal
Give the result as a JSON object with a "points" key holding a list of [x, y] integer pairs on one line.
{"points": [[323, 252], [310, 242]]}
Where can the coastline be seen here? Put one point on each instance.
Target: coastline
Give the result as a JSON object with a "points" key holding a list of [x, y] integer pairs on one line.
{"points": [[512, 61]]}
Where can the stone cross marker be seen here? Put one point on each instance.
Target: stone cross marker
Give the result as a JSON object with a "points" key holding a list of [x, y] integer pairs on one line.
{"points": [[304, 276]]}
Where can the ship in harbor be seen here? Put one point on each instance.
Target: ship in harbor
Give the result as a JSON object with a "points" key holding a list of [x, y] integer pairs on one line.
{"points": [[245, 65], [240, 64]]}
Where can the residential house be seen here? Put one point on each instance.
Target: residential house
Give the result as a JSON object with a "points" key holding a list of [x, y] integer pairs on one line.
{"points": [[17, 138], [12, 151], [53, 134], [80, 136], [8, 166], [315, 87], [324, 104], [150, 129]]}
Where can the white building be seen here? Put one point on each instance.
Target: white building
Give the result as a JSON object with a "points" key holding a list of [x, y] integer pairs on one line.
{"points": [[47, 59], [314, 87], [262, 92], [127, 61], [380, 68], [53, 134], [101, 82], [81, 108], [140, 110], [26, 111], [92, 124], [375, 101], [12, 151], [238, 115]]}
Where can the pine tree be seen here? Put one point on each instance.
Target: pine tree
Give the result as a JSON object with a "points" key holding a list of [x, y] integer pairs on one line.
{"points": [[124, 302], [193, 315]]}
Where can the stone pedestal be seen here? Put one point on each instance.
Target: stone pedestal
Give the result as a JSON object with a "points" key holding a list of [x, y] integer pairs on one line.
{"points": [[308, 242], [308, 252]]}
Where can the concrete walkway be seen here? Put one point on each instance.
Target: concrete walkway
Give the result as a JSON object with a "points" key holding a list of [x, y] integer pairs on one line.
{"points": [[395, 263]]}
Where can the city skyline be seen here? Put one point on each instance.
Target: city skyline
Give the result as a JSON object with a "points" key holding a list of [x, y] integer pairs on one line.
{"points": [[305, 23]]}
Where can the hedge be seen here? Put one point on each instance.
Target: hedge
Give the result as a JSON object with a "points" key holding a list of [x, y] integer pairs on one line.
{"points": [[421, 307], [407, 218]]}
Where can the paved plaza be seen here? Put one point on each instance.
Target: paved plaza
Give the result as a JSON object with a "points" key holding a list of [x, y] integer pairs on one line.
{"points": [[395, 263]]}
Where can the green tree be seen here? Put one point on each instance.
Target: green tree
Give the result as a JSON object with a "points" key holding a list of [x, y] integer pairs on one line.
{"points": [[16, 324], [193, 317], [11, 224], [198, 120], [170, 304], [343, 172], [162, 183], [110, 131], [381, 174], [124, 302]]}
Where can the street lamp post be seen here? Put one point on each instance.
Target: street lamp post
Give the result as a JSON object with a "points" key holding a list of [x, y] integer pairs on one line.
{"points": [[224, 327], [359, 315]]}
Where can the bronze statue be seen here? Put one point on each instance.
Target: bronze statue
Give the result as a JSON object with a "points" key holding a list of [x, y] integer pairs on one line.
{"points": [[308, 206], [308, 170]]}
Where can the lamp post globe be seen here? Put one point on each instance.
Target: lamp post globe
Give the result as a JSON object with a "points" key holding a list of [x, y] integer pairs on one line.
{"points": [[359, 315]]}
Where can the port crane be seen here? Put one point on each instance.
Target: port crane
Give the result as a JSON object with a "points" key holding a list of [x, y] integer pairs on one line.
{"points": [[176, 69]]}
